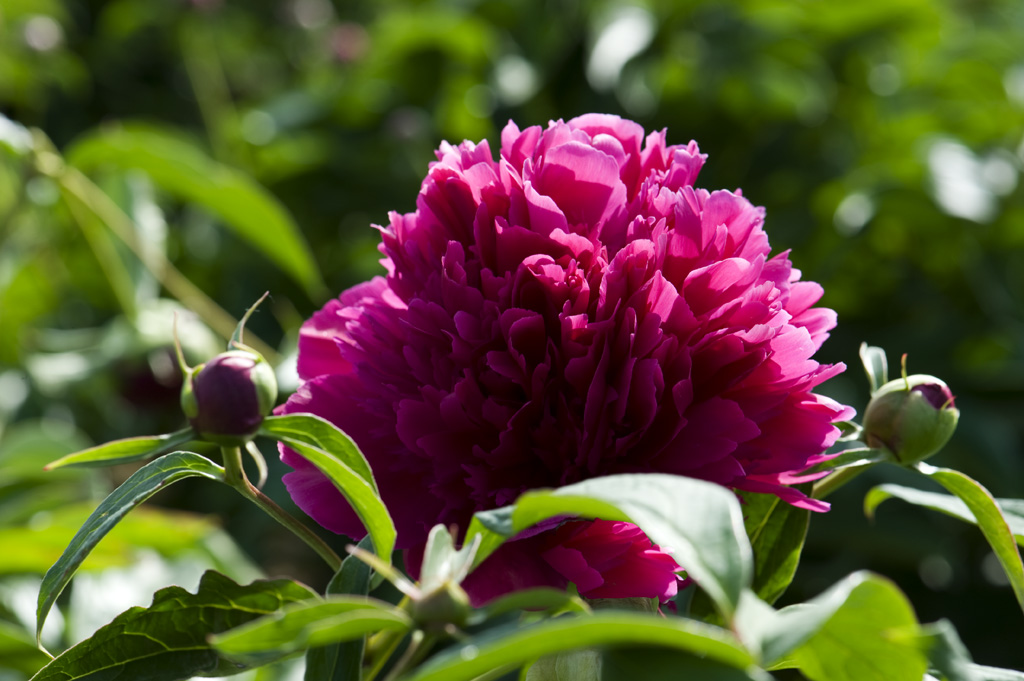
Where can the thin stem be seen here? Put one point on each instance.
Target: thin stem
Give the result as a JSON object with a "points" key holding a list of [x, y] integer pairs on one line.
{"points": [[381, 656], [177, 284], [234, 475], [420, 643], [832, 482]]}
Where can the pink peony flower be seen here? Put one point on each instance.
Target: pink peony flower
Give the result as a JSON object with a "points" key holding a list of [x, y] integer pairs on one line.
{"points": [[576, 308]]}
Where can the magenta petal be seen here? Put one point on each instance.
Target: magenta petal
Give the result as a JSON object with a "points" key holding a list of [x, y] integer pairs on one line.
{"points": [[575, 307]]}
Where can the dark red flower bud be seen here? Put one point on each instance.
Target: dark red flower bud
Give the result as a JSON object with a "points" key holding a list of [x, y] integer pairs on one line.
{"points": [[226, 399]]}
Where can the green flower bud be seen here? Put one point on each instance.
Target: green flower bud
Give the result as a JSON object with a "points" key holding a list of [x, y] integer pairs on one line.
{"points": [[445, 605], [226, 399], [911, 418]]}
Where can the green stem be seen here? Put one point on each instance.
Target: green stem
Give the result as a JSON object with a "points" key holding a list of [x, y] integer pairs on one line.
{"points": [[234, 475], [177, 284], [419, 644], [381, 656], [834, 481]]}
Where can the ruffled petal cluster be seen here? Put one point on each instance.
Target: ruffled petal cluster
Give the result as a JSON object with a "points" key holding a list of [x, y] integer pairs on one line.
{"points": [[575, 308]]}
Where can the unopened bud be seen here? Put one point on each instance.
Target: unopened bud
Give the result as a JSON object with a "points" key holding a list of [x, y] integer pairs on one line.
{"points": [[448, 604], [226, 399], [912, 418]]}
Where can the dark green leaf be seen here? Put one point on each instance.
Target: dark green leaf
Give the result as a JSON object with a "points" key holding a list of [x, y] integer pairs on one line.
{"points": [[126, 450], [306, 625], [512, 645], [143, 484], [358, 491], [342, 661], [182, 169], [989, 518], [168, 640], [714, 551], [777, 531], [1013, 509], [318, 432]]}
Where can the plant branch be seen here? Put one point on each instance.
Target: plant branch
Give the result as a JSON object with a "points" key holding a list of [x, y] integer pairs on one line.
{"points": [[234, 475]]}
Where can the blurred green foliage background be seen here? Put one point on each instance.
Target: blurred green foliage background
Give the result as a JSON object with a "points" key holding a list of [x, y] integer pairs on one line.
{"points": [[191, 154]]}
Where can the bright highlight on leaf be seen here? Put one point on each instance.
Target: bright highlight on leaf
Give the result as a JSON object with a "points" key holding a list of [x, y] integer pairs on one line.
{"points": [[126, 450], [714, 551]]}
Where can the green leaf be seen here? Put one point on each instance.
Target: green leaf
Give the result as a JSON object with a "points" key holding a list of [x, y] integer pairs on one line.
{"points": [[15, 136], [989, 518], [947, 654], [358, 491], [18, 652], [699, 523], [983, 673], [512, 645], [779, 633], [126, 450], [168, 640], [143, 484], [305, 625], [318, 432], [1013, 509], [342, 661], [553, 601], [442, 562], [777, 531], [670, 665], [870, 635], [875, 365], [861, 456], [42, 541], [183, 170]]}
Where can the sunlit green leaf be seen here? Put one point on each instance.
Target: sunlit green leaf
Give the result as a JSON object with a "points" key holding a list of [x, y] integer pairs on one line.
{"points": [[358, 491], [512, 645], [143, 484], [714, 550], [875, 365], [41, 542], [181, 168], [306, 625], [168, 640], [126, 450], [990, 520], [318, 432], [862, 629], [1013, 509]]}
